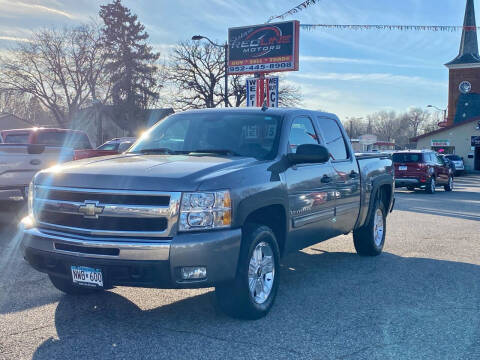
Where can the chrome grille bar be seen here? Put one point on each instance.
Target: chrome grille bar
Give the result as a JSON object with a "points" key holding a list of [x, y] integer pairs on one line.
{"points": [[108, 211]]}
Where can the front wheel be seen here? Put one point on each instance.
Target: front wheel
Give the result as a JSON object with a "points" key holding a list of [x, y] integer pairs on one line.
{"points": [[449, 186], [370, 238], [66, 286], [252, 293]]}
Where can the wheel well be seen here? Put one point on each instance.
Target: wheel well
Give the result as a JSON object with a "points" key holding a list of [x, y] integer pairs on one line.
{"points": [[385, 194], [274, 217]]}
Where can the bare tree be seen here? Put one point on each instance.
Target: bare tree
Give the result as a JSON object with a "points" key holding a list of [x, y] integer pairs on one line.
{"points": [[355, 127], [197, 70], [61, 68], [416, 119], [385, 124]]}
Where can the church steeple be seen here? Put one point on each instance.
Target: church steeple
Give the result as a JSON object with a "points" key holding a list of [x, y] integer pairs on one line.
{"points": [[468, 53]]}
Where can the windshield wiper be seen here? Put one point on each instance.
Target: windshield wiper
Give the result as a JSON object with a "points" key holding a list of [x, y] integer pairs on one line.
{"points": [[215, 151], [159, 151]]}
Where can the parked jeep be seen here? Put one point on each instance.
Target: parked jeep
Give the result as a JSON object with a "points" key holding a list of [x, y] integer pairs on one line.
{"points": [[208, 198]]}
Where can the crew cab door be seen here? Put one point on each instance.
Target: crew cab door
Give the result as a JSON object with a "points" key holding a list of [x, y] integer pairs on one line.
{"points": [[346, 178], [311, 191]]}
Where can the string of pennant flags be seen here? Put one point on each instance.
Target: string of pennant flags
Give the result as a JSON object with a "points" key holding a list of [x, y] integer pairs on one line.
{"points": [[294, 10], [311, 27]]}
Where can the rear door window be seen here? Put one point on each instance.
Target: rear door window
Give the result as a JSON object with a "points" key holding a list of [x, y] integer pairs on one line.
{"points": [[407, 158], [333, 138]]}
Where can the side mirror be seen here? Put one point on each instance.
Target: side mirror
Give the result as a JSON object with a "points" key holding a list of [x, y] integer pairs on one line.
{"points": [[309, 154]]}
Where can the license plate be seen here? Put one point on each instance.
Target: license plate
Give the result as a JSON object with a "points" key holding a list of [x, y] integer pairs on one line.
{"points": [[87, 276], [403, 168]]}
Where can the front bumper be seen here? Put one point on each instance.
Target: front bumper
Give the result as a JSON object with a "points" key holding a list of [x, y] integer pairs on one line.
{"points": [[137, 263]]}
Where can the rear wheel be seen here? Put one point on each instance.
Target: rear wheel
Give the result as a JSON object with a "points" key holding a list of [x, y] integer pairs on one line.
{"points": [[252, 293], [370, 238], [66, 286], [449, 186], [431, 186]]}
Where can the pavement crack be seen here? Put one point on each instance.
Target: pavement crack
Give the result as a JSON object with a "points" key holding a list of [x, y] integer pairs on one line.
{"points": [[30, 330], [291, 351]]}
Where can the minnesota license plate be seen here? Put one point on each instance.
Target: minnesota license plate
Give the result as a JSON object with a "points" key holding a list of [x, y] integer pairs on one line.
{"points": [[87, 276], [403, 168]]}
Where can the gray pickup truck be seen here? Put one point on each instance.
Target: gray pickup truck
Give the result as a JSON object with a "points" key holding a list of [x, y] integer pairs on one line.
{"points": [[208, 198]]}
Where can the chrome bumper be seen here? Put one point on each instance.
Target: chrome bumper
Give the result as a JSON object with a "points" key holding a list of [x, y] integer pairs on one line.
{"points": [[217, 250], [36, 239]]}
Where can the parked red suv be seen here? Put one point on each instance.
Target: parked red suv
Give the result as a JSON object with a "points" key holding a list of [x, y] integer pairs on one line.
{"points": [[422, 169]]}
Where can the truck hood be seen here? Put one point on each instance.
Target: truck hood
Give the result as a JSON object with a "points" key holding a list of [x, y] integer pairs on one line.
{"points": [[142, 172]]}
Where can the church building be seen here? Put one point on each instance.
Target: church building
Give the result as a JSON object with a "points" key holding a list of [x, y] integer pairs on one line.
{"points": [[460, 133]]}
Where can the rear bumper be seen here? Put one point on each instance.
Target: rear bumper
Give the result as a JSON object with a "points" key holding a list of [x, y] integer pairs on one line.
{"points": [[145, 264], [403, 182]]}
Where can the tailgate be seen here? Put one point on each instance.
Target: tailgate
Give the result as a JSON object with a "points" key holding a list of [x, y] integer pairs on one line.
{"points": [[20, 162], [408, 170]]}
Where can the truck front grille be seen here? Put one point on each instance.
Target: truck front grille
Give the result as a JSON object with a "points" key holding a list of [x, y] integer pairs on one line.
{"points": [[103, 222], [110, 213]]}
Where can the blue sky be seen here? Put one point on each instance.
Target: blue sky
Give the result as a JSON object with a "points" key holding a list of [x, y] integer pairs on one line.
{"points": [[351, 73]]}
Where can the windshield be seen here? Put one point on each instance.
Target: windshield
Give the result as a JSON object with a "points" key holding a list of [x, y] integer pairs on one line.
{"points": [[407, 158], [250, 135]]}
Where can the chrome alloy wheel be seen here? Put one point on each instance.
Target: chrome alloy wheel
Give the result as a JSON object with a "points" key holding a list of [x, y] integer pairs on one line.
{"points": [[378, 228], [261, 272]]}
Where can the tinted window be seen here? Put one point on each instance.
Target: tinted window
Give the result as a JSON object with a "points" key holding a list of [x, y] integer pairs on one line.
{"points": [[245, 134], [111, 146], [454, 157], [407, 158], [301, 132], [72, 140], [17, 138], [333, 138]]}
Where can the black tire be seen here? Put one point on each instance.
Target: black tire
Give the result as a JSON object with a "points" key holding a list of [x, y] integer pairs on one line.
{"points": [[364, 237], [430, 186], [411, 188], [235, 298], [65, 285], [449, 186]]}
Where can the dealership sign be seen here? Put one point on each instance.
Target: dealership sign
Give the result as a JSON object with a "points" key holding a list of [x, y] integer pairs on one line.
{"points": [[263, 48], [254, 93], [475, 140], [436, 143]]}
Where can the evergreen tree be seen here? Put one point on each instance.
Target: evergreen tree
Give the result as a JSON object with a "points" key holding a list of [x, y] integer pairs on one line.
{"points": [[131, 63]]}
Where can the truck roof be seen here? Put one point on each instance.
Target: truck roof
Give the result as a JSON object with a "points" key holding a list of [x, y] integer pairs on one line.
{"points": [[272, 111]]}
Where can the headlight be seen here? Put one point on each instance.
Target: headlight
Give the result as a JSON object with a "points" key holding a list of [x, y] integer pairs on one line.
{"points": [[31, 195], [205, 210]]}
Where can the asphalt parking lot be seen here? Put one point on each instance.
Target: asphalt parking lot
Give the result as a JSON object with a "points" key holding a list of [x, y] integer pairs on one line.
{"points": [[418, 300]]}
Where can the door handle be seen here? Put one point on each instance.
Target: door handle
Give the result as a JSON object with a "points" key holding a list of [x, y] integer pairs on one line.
{"points": [[326, 179], [353, 174]]}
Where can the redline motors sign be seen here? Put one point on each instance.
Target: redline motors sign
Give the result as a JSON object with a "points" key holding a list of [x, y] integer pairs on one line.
{"points": [[263, 48]]}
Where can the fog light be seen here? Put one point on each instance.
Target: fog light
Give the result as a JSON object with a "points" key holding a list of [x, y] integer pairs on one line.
{"points": [[194, 273]]}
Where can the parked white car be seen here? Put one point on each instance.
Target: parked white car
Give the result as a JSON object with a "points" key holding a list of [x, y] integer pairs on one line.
{"points": [[457, 162]]}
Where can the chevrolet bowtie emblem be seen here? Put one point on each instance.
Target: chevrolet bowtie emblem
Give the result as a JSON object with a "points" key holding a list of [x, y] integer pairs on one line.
{"points": [[90, 209]]}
